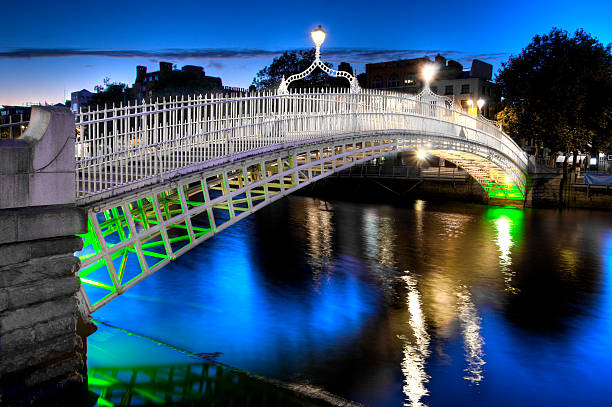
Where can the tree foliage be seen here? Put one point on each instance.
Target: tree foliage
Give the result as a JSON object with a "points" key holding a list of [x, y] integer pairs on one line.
{"points": [[291, 63], [558, 91], [109, 93]]}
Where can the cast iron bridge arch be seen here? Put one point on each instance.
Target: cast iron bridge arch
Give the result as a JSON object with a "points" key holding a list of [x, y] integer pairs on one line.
{"points": [[160, 178]]}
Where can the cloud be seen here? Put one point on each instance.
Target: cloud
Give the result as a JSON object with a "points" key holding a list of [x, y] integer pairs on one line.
{"points": [[352, 55], [20, 53], [215, 65]]}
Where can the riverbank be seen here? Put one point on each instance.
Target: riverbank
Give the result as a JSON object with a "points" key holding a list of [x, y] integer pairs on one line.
{"points": [[544, 190]]}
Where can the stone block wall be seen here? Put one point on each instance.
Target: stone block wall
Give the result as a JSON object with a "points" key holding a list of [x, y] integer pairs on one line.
{"points": [[40, 350], [544, 190], [41, 353], [554, 190]]}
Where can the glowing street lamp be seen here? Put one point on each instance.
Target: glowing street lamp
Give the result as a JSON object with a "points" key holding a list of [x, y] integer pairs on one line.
{"points": [[318, 37], [421, 155], [480, 104], [429, 71]]}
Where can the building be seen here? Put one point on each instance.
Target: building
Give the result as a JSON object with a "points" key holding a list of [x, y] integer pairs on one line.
{"points": [[79, 99], [6, 111], [13, 120], [464, 87], [167, 80]]}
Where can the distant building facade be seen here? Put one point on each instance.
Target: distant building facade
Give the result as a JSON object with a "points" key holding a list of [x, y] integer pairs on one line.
{"points": [[451, 80], [189, 75], [79, 99], [6, 111], [13, 120]]}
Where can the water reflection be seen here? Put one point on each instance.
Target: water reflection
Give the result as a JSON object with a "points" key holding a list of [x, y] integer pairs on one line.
{"points": [[472, 340], [207, 384], [319, 236], [310, 292], [379, 237], [416, 347], [505, 228]]}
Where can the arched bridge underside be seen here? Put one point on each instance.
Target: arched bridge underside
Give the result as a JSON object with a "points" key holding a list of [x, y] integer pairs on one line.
{"points": [[137, 227]]}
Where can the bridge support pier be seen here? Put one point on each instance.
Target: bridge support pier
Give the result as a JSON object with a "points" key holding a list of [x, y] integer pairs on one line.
{"points": [[41, 354]]}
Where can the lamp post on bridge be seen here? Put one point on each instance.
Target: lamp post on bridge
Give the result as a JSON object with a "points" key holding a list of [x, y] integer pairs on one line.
{"points": [[429, 71], [318, 37], [480, 104]]}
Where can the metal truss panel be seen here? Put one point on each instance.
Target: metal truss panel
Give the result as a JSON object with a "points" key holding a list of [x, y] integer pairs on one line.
{"points": [[130, 238]]}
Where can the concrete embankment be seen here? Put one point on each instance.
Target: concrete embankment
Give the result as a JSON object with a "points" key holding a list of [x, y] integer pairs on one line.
{"points": [[544, 190], [565, 190], [396, 190]]}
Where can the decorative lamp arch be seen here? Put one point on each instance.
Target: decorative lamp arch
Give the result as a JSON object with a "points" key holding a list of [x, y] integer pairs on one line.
{"points": [[318, 36], [428, 96]]}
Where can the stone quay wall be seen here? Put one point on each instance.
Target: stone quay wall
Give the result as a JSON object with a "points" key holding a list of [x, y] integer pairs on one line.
{"points": [[41, 353]]}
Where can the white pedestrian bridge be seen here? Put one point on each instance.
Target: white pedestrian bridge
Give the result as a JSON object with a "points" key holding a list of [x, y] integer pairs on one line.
{"points": [[159, 178]]}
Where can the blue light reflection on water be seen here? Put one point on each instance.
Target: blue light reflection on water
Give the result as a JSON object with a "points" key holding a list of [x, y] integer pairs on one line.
{"points": [[212, 300], [524, 296]]}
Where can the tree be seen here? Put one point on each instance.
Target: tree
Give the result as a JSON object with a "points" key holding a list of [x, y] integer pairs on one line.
{"points": [[558, 91], [109, 93], [290, 63]]}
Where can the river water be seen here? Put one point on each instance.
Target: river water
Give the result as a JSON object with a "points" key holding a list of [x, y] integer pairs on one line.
{"points": [[428, 304]]}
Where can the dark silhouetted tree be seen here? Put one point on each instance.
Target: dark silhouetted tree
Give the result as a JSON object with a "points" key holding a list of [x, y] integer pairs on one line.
{"points": [[558, 91], [109, 93]]}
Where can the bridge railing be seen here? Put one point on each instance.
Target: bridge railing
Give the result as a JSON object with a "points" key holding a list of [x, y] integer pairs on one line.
{"points": [[128, 146]]}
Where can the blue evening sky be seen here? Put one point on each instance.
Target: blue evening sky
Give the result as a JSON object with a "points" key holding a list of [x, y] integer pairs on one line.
{"points": [[51, 48]]}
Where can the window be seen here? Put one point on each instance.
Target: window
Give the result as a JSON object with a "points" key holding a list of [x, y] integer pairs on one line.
{"points": [[434, 89], [448, 90], [377, 82], [393, 81], [465, 89], [484, 90]]}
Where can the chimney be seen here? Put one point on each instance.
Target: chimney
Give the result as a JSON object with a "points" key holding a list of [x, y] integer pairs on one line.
{"points": [[141, 71], [165, 67]]}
